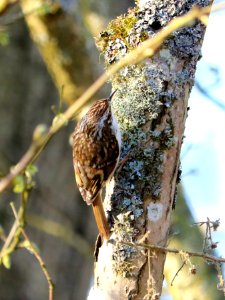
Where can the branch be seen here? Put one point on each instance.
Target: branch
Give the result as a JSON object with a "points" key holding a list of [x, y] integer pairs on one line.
{"points": [[176, 274], [146, 49], [206, 256], [13, 238]]}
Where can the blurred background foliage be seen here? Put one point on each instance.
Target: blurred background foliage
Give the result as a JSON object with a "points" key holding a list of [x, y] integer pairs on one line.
{"points": [[49, 52]]}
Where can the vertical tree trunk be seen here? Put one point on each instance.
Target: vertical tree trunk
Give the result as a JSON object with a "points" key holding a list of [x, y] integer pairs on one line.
{"points": [[151, 106]]}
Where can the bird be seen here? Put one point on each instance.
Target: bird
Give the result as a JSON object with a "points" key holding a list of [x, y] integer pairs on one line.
{"points": [[96, 153]]}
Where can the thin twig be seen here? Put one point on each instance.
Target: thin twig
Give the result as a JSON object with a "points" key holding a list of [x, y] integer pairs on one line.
{"points": [[13, 238], [208, 241], [205, 243], [9, 239], [206, 256], [35, 253], [146, 49], [178, 271]]}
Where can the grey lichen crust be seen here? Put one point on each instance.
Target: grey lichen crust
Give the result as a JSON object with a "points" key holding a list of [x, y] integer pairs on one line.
{"points": [[145, 93]]}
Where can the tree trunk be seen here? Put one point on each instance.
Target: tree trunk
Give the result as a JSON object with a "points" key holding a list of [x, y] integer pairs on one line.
{"points": [[150, 105]]}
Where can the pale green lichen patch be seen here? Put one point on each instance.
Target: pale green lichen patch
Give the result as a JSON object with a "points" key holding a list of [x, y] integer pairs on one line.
{"points": [[123, 253], [136, 101]]}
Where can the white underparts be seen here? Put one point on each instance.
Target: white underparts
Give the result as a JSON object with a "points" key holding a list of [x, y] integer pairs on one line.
{"points": [[116, 129], [102, 124]]}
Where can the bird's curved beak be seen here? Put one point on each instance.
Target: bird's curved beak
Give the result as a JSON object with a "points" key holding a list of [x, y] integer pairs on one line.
{"points": [[110, 97]]}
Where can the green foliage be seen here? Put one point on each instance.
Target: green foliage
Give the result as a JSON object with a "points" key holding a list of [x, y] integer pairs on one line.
{"points": [[31, 170], [59, 118], [39, 132], [19, 184], [30, 246], [6, 261], [25, 182]]}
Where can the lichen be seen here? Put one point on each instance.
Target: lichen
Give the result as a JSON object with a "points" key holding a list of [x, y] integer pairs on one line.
{"points": [[155, 211], [123, 253], [140, 99], [136, 100], [128, 31], [145, 94], [185, 43]]}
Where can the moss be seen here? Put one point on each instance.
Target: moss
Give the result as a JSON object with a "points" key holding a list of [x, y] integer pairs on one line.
{"points": [[121, 26], [117, 29], [144, 36]]}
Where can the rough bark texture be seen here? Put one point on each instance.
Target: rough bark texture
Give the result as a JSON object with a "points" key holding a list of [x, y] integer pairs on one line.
{"points": [[151, 106]]}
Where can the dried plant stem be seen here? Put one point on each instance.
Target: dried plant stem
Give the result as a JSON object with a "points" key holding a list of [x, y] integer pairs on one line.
{"points": [[146, 49]]}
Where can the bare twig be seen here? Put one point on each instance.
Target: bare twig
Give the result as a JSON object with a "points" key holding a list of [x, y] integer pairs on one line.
{"points": [[205, 256], [208, 241], [9, 239], [178, 271], [35, 253], [146, 49], [185, 255]]}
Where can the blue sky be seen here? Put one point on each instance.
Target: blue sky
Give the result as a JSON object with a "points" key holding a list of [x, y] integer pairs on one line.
{"points": [[204, 163]]}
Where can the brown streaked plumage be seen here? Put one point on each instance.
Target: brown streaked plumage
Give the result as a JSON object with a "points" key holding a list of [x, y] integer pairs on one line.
{"points": [[96, 150]]}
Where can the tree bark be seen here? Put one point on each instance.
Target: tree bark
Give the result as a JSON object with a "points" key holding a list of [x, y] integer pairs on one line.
{"points": [[151, 106]]}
